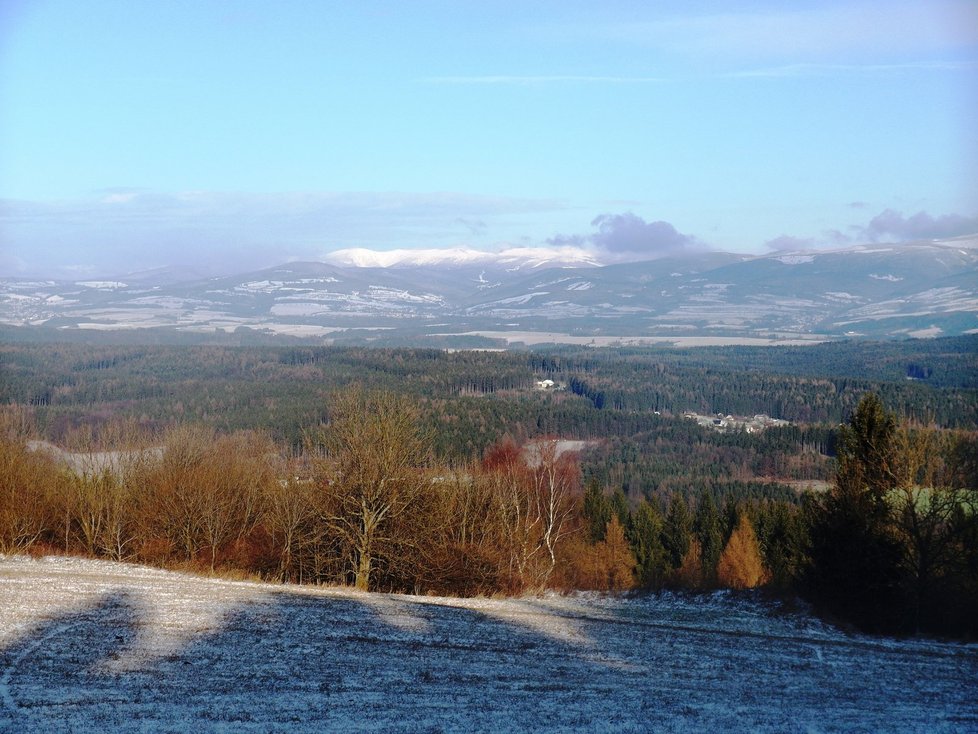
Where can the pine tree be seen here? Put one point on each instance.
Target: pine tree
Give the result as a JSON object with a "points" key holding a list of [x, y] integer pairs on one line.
{"points": [[710, 535], [678, 531], [645, 534], [619, 560], [782, 535], [854, 569], [740, 565], [597, 511], [619, 506]]}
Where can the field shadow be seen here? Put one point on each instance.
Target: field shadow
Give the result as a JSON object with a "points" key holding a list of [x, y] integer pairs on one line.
{"points": [[312, 660], [56, 662], [286, 658]]}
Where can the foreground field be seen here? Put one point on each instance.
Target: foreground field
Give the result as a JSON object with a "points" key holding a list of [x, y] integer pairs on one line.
{"points": [[96, 646]]}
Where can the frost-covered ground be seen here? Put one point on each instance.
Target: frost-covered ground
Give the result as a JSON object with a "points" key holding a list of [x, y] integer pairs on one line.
{"points": [[89, 646]]}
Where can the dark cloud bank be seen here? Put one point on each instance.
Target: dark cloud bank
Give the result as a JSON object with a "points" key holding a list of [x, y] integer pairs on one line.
{"points": [[622, 237], [887, 226], [892, 225]]}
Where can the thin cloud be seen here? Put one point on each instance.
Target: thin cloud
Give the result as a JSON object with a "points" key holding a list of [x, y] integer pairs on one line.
{"points": [[860, 29], [836, 238], [786, 71], [571, 240], [476, 227], [812, 70]]}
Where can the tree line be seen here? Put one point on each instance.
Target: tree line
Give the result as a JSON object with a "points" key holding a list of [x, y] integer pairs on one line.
{"points": [[467, 400], [608, 392], [892, 546], [364, 504]]}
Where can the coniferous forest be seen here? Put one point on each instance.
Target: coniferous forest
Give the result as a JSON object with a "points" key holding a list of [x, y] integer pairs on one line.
{"points": [[473, 472]]}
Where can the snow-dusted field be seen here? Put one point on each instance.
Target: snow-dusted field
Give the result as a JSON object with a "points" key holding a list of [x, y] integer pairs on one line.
{"points": [[93, 646], [550, 337]]}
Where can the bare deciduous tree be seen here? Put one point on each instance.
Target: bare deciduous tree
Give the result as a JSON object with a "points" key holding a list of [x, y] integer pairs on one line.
{"points": [[555, 479], [173, 504], [372, 475], [290, 515], [29, 485], [231, 481], [532, 506]]}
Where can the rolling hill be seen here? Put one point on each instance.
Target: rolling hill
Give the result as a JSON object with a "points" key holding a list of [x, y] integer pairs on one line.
{"points": [[876, 291]]}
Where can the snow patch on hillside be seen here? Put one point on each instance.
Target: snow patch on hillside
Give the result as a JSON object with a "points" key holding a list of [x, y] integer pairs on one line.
{"points": [[796, 259], [102, 285]]}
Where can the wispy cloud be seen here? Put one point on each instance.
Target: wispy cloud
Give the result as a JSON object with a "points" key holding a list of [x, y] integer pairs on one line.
{"points": [[475, 227], [787, 71], [862, 30], [804, 70]]}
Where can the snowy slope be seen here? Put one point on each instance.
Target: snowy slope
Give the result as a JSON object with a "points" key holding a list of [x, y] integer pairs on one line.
{"points": [[88, 646]]}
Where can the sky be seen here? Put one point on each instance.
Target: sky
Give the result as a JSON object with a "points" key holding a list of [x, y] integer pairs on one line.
{"points": [[240, 134]]}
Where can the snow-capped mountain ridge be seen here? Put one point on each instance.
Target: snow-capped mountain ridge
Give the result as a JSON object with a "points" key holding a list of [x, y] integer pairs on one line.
{"points": [[514, 257], [914, 289]]}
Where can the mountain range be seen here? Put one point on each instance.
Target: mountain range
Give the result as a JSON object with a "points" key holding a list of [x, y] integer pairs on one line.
{"points": [[471, 298]]}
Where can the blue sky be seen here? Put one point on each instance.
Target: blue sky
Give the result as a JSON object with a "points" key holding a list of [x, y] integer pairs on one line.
{"points": [[229, 134]]}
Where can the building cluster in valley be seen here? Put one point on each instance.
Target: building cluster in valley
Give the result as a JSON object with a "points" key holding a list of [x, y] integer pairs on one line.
{"points": [[733, 423]]}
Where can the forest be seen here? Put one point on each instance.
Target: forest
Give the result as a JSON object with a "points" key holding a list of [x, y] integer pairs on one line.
{"points": [[448, 472]]}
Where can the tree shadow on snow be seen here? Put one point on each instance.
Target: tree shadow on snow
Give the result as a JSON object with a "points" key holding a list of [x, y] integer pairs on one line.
{"points": [[56, 664], [294, 659]]}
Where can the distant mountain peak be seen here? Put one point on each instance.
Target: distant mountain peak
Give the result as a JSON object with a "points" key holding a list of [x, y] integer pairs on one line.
{"points": [[512, 258]]}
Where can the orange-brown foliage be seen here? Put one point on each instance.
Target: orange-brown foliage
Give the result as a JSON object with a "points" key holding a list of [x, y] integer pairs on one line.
{"points": [[689, 575], [740, 565], [605, 566]]}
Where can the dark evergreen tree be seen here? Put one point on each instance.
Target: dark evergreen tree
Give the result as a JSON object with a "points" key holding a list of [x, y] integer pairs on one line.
{"points": [[645, 535], [597, 511], [729, 515], [678, 530], [619, 506], [710, 534], [783, 538], [855, 561]]}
